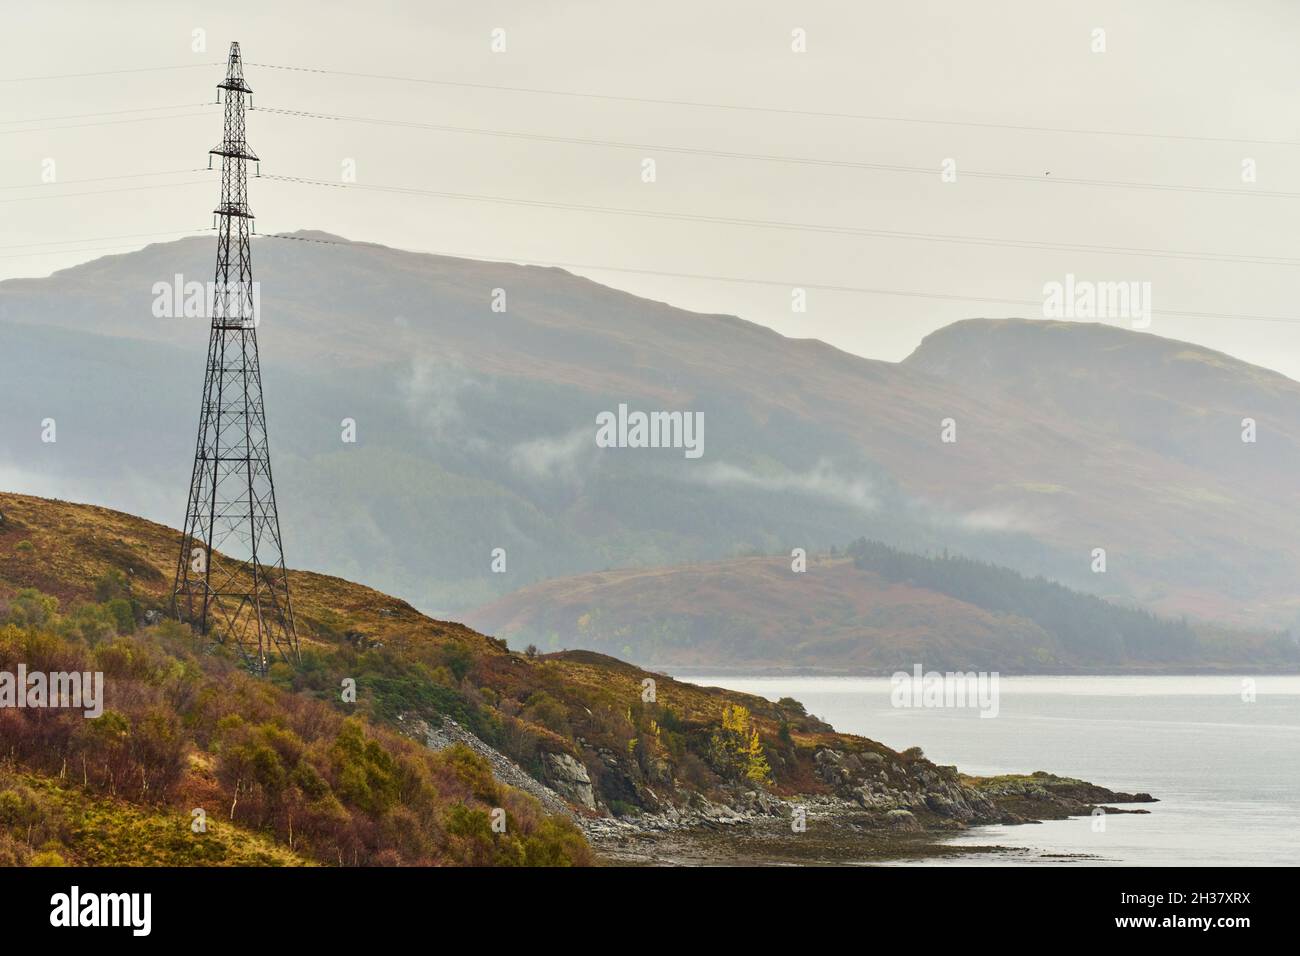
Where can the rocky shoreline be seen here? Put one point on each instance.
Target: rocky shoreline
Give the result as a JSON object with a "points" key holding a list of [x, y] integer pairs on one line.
{"points": [[872, 809]]}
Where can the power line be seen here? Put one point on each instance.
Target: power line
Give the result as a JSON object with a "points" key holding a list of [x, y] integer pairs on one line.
{"points": [[138, 69], [134, 119], [808, 227], [103, 192], [693, 104], [101, 179], [111, 112], [107, 250], [659, 273], [49, 252], [789, 284], [129, 235], [689, 217], [785, 111], [769, 158]]}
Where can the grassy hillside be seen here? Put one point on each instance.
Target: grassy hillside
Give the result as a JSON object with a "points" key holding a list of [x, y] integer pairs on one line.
{"points": [[45, 821], [184, 726], [287, 771], [338, 782]]}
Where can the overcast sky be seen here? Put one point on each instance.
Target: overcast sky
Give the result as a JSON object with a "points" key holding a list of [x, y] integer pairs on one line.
{"points": [[1218, 78]]}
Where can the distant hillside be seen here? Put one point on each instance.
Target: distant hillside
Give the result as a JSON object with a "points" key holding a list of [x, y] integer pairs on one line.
{"points": [[878, 611], [475, 431], [1184, 404], [1185, 401], [1089, 632]]}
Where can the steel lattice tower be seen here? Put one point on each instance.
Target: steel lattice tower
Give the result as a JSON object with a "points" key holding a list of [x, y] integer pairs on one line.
{"points": [[230, 578]]}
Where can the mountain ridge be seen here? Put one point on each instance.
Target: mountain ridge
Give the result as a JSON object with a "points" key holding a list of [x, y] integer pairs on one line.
{"points": [[482, 421]]}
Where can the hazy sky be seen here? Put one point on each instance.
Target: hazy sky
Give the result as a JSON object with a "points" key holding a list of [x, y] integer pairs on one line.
{"points": [[1203, 73]]}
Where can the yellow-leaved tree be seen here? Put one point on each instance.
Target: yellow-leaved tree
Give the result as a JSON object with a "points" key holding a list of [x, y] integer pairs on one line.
{"points": [[737, 748]]}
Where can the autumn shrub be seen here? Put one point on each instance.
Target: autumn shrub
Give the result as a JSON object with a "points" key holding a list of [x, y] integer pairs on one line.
{"points": [[185, 726], [543, 709]]}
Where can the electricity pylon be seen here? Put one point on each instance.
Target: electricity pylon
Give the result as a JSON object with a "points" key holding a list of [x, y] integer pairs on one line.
{"points": [[231, 582]]}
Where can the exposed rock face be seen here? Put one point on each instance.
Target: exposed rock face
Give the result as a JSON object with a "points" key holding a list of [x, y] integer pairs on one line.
{"points": [[448, 732], [761, 803], [902, 820], [935, 797], [879, 785], [617, 784], [900, 797], [569, 777]]}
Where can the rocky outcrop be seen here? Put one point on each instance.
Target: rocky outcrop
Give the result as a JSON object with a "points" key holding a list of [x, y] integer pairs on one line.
{"points": [[569, 784], [448, 732], [879, 784], [870, 792], [939, 795], [903, 820], [698, 814], [569, 777], [1042, 795]]}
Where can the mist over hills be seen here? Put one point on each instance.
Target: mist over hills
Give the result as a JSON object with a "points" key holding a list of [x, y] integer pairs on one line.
{"points": [[475, 431]]}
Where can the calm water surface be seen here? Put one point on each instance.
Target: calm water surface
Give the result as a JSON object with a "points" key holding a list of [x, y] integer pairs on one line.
{"points": [[1226, 771]]}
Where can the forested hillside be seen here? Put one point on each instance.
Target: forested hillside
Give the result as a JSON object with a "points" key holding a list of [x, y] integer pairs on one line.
{"points": [[1089, 629]]}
